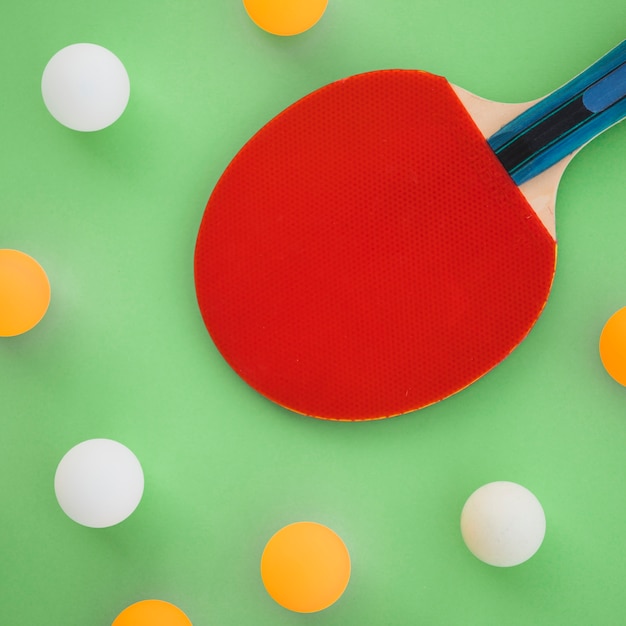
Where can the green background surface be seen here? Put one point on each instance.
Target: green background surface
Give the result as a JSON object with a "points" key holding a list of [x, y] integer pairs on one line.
{"points": [[122, 353]]}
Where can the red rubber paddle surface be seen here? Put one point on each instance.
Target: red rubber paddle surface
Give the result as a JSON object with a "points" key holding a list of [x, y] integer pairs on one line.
{"points": [[365, 254]]}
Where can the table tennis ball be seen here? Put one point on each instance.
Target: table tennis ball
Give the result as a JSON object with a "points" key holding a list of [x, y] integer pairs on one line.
{"points": [[99, 483], [85, 87], [285, 17], [152, 613], [305, 567], [24, 292], [613, 346], [503, 524]]}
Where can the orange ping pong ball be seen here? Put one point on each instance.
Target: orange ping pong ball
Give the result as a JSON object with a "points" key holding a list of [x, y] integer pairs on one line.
{"points": [[305, 567], [152, 613], [613, 346], [285, 17], [24, 292]]}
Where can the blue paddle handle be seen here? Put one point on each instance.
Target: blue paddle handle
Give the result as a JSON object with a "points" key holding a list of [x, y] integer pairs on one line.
{"points": [[565, 120]]}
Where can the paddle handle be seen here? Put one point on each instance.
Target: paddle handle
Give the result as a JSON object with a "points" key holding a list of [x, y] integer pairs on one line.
{"points": [[565, 120]]}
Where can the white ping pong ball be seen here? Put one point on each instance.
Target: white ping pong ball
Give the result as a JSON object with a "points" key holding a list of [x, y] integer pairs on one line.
{"points": [[503, 524], [99, 483], [85, 87]]}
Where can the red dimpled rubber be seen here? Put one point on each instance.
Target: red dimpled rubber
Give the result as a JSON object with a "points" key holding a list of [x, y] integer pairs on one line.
{"points": [[365, 254]]}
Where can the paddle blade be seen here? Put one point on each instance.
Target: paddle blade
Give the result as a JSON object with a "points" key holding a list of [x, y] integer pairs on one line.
{"points": [[365, 254]]}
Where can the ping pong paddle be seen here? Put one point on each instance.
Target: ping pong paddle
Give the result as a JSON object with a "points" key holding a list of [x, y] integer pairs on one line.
{"points": [[388, 239]]}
